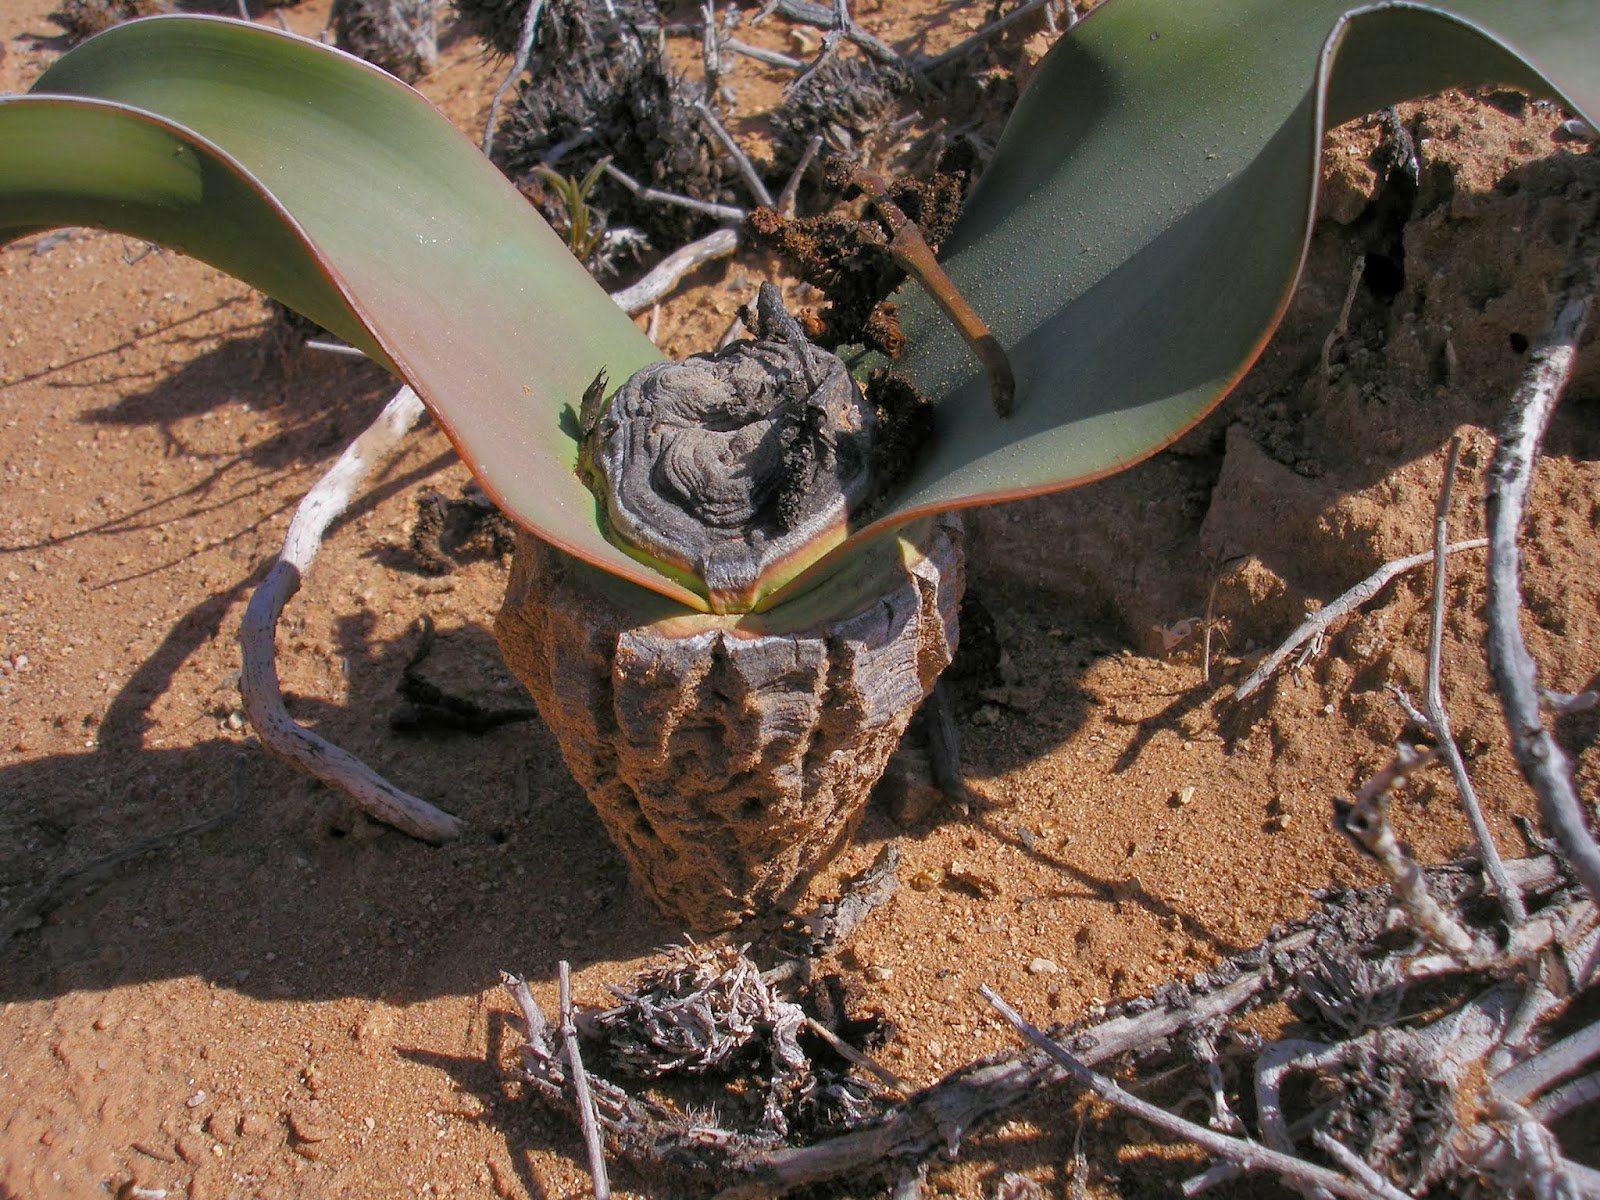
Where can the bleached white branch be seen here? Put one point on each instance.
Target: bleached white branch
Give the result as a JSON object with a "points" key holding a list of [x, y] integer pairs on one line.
{"points": [[1325, 616], [664, 276], [258, 684], [1544, 764]]}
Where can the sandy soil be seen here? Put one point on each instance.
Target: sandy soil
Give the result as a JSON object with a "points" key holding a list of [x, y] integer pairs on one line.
{"points": [[270, 996]]}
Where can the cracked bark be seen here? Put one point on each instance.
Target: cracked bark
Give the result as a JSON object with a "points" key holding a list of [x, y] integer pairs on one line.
{"points": [[731, 754], [730, 757]]}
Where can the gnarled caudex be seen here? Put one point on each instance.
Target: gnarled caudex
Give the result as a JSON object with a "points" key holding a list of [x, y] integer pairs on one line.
{"points": [[731, 466]]}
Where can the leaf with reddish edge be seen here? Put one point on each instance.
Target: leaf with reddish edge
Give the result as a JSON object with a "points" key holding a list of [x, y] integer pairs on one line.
{"points": [[331, 185], [1133, 244], [1137, 236]]}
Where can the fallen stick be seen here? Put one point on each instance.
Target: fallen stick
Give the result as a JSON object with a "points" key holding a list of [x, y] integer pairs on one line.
{"points": [[519, 64], [1544, 764], [741, 160], [990, 31], [258, 680], [637, 297], [722, 212], [1318, 622], [580, 1089], [1439, 718], [1246, 1153]]}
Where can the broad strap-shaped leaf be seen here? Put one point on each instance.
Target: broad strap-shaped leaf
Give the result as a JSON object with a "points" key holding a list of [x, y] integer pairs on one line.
{"points": [[1138, 234], [327, 183]]}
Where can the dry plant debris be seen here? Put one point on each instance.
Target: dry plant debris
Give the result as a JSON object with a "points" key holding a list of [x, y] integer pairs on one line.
{"points": [[85, 18], [601, 87], [401, 36]]}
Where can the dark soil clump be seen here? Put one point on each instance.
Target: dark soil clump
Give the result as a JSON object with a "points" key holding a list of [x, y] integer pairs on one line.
{"points": [[448, 532]]}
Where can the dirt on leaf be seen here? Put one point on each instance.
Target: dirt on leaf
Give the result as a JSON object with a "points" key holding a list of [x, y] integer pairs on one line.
{"points": [[218, 980]]}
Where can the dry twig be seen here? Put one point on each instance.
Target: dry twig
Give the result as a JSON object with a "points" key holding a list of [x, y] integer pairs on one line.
{"points": [[664, 276], [587, 1120], [1515, 674], [1318, 622], [519, 64], [722, 212], [986, 34], [258, 681], [741, 160], [1248, 1154], [1438, 719]]}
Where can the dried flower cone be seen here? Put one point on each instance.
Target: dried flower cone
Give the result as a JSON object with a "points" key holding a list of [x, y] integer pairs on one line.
{"points": [[731, 756]]}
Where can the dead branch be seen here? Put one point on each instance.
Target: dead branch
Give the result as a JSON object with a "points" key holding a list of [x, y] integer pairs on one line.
{"points": [[1315, 958], [741, 160], [1439, 718], [838, 23], [1251, 1155], [1568, 1098], [1531, 1076], [987, 34], [519, 64], [664, 276], [258, 682], [791, 190], [587, 1120], [1544, 764], [722, 212], [773, 58], [836, 921], [1318, 622], [1366, 823]]}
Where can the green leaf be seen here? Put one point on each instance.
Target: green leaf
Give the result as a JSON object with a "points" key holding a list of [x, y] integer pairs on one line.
{"points": [[1138, 234], [332, 186]]}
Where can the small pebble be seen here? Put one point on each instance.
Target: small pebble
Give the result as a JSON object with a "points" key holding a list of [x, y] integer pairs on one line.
{"points": [[878, 973], [1043, 966], [196, 1100], [235, 721], [1185, 794]]}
